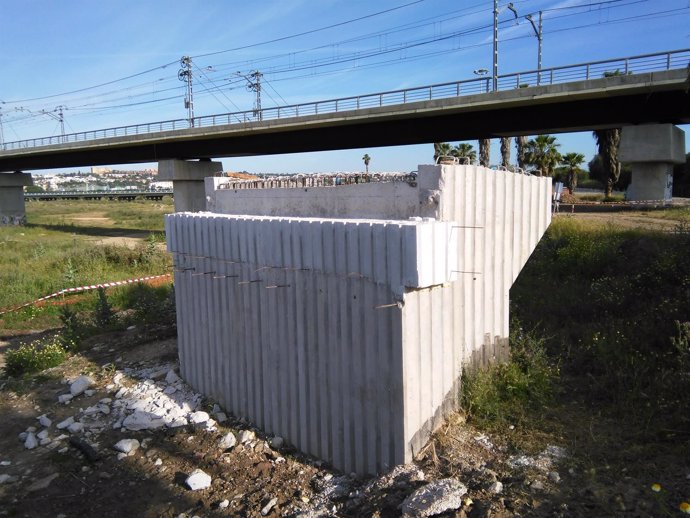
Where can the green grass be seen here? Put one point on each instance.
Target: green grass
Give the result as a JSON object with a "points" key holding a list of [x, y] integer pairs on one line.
{"points": [[61, 247], [616, 299]]}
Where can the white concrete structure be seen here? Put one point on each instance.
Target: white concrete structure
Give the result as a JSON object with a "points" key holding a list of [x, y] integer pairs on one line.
{"points": [[652, 149], [12, 208], [347, 337]]}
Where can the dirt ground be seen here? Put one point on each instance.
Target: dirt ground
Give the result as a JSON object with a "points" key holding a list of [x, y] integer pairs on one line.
{"points": [[83, 476]]}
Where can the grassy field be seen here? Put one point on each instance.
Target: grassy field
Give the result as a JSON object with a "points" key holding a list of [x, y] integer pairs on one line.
{"points": [[73, 243]]}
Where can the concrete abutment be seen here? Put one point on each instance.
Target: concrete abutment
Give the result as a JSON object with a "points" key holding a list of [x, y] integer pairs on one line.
{"points": [[188, 181], [347, 335]]}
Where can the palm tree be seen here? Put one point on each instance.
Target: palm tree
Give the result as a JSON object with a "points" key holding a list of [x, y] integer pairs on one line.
{"points": [[520, 145], [464, 150], [366, 159], [572, 161], [607, 144], [441, 149], [484, 152], [542, 153], [505, 151]]}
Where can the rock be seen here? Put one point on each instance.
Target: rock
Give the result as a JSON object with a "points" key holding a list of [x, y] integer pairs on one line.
{"points": [[198, 480], [554, 477], [89, 392], [42, 483], [91, 410], [30, 443], [6, 463], [496, 487], [65, 398], [221, 417], [75, 428], [246, 436], [537, 485], [270, 505], [22, 436], [7, 479], [79, 385], [434, 498], [227, 441], [42, 434], [277, 442], [142, 421], [127, 445], [159, 462], [171, 377], [103, 408], [117, 378], [199, 417], [31, 429], [44, 421], [224, 504], [45, 442]]}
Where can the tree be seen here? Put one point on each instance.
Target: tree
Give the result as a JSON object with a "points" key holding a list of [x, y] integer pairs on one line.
{"points": [[484, 152], [366, 159], [505, 151], [542, 153], [464, 150], [520, 145], [572, 162], [442, 149], [607, 144]]}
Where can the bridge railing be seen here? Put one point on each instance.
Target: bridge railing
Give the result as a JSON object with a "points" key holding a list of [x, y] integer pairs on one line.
{"points": [[548, 76]]}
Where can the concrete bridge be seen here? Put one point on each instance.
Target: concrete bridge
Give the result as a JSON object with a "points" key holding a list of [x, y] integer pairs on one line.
{"points": [[631, 91]]}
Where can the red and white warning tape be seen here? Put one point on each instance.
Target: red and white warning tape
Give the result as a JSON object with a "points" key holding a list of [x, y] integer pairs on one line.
{"points": [[68, 291]]}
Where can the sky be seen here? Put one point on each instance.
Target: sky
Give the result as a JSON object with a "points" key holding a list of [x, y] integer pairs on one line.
{"points": [[116, 62]]}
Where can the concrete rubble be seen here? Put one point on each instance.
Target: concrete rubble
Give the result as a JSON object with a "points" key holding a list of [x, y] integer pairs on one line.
{"points": [[434, 498]]}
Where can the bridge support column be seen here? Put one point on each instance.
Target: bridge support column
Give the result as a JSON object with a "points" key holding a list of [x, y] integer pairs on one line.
{"points": [[12, 208], [652, 149], [188, 181]]}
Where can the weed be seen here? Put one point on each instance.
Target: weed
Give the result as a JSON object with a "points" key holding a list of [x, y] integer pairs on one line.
{"points": [[508, 392], [34, 357], [74, 329], [103, 312]]}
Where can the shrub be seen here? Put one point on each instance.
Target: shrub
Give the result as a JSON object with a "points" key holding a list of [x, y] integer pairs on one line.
{"points": [[506, 392], [103, 312], [73, 330], [34, 357]]}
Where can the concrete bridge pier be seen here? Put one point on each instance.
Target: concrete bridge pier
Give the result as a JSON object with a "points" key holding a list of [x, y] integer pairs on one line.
{"points": [[652, 149], [188, 181], [12, 208]]}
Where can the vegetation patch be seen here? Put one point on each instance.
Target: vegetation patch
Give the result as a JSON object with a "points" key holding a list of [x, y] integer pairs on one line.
{"points": [[34, 357]]}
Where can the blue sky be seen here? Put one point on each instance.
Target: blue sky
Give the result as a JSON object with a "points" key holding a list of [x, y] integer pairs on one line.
{"points": [[57, 53]]}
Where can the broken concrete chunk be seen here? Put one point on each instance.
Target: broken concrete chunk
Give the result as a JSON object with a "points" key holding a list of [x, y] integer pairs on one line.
{"points": [[75, 428], [198, 480], [434, 498], [64, 424], [79, 385], [65, 398], [247, 436], [127, 445], [44, 421], [142, 421], [227, 441], [199, 417], [30, 443], [270, 505], [172, 377]]}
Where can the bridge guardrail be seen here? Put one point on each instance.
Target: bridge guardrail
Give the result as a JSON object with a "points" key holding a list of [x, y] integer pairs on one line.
{"points": [[548, 76]]}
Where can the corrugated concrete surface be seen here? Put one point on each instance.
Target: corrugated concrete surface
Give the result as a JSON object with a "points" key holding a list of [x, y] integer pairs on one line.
{"points": [[347, 337]]}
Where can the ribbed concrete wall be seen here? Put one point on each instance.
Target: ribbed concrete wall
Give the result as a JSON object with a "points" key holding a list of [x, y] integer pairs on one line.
{"points": [[348, 337], [498, 217]]}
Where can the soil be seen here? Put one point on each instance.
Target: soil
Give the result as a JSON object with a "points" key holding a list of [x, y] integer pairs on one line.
{"points": [[63, 481]]}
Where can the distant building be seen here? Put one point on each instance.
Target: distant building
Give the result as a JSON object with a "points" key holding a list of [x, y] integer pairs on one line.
{"points": [[101, 170]]}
